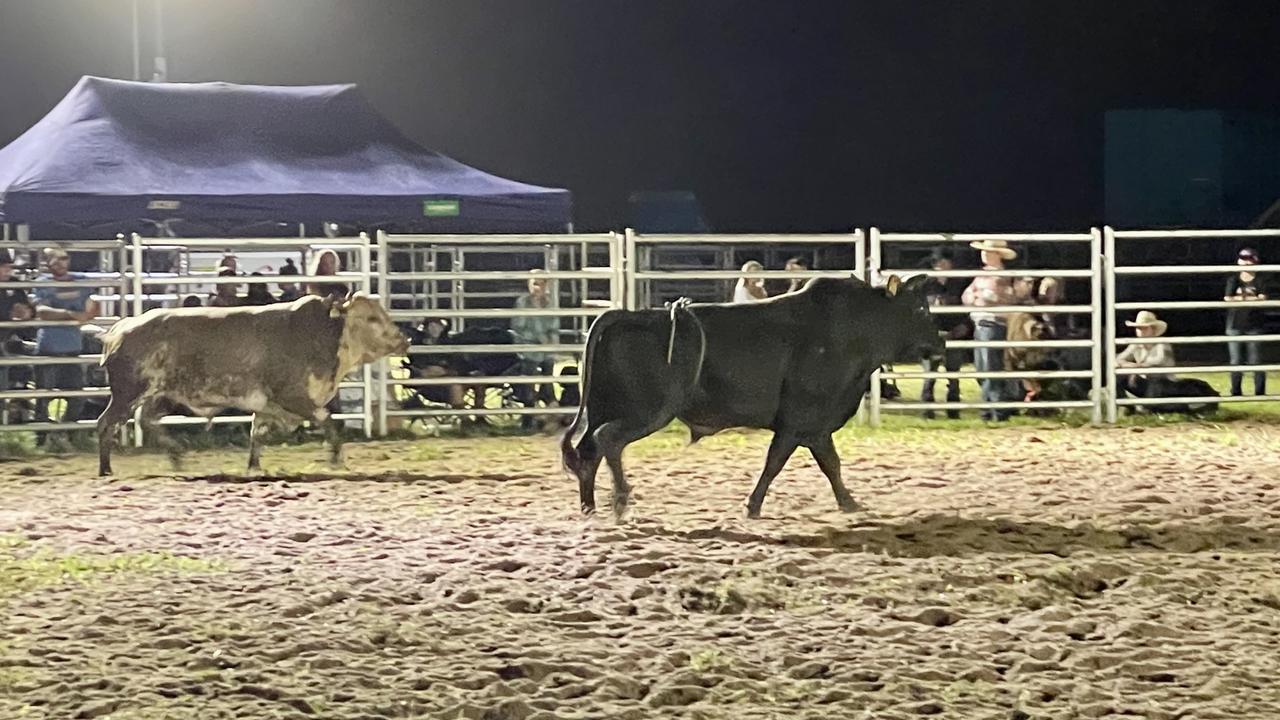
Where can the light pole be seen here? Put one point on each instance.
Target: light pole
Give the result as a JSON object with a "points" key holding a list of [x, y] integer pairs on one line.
{"points": [[161, 69], [137, 64]]}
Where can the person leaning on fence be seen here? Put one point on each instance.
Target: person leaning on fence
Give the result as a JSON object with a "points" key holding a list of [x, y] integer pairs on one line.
{"points": [[796, 264], [536, 330], [1246, 287], [326, 263], [942, 292], [984, 291], [750, 289], [14, 307], [61, 304], [257, 293], [288, 290], [224, 294]]}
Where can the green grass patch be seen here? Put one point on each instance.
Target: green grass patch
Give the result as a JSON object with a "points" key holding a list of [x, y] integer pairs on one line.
{"points": [[21, 571]]}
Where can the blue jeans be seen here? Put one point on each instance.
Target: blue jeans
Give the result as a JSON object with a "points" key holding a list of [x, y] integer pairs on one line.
{"points": [[952, 361], [991, 359], [1246, 353]]}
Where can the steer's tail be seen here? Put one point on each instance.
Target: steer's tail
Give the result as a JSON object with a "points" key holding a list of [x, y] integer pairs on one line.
{"points": [[685, 352], [577, 446]]}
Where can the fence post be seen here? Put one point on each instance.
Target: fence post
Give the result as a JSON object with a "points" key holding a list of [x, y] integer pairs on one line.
{"points": [[629, 265], [384, 295], [618, 278], [136, 251], [860, 253], [873, 269], [1109, 318], [1096, 263], [866, 272], [366, 373]]}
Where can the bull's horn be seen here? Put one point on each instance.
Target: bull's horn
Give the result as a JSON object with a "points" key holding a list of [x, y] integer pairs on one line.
{"points": [[891, 285]]}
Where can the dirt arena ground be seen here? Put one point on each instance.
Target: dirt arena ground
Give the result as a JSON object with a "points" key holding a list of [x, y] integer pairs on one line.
{"points": [[1005, 573]]}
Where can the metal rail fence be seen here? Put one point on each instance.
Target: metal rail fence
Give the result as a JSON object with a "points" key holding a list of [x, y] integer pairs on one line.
{"points": [[1113, 309], [108, 288], [469, 278], [579, 291], [1094, 309]]}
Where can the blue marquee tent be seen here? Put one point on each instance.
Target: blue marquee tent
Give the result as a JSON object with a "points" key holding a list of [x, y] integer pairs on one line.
{"points": [[115, 156]]}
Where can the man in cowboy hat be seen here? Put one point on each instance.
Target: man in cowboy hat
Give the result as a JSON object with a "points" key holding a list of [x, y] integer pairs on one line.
{"points": [[1146, 324], [985, 291], [1245, 287]]}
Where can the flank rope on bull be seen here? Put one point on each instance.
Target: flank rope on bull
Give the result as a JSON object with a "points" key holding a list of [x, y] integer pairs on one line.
{"points": [[674, 307]]}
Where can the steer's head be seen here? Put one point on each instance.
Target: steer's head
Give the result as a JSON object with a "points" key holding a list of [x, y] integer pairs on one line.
{"points": [[913, 327], [368, 329]]}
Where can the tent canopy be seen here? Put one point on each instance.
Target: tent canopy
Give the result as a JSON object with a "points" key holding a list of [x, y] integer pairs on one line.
{"points": [[116, 154]]}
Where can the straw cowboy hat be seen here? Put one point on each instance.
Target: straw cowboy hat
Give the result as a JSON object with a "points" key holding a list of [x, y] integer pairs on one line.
{"points": [[1146, 318], [996, 246]]}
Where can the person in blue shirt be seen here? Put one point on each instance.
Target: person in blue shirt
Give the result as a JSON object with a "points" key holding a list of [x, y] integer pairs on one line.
{"points": [[536, 330], [62, 303]]}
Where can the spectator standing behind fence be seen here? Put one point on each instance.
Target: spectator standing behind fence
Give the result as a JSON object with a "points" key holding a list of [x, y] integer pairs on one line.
{"points": [[224, 294], [326, 263], [1246, 287], [257, 293], [536, 330], [288, 290], [750, 289], [60, 304], [14, 306], [942, 292], [796, 264], [986, 291]]}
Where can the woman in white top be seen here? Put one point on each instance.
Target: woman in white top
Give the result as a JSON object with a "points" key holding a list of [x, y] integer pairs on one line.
{"points": [[750, 289]]}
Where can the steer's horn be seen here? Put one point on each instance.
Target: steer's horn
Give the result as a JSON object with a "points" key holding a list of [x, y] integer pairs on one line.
{"points": [[891, 285]]}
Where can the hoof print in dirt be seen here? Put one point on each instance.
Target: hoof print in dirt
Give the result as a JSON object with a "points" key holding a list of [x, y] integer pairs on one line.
{"points": [[678, 695]]}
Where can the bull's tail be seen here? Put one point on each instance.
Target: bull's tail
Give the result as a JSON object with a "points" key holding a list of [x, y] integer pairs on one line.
{"points": [[577, 445]]}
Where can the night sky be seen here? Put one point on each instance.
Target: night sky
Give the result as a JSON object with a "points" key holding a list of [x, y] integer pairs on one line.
{"points": [[781, 116]]}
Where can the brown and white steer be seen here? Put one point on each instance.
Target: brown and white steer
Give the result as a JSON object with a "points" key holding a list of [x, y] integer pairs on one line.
{"points": [[281, 362]]}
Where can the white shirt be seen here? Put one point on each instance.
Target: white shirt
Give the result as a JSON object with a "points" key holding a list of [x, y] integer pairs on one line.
{"points": [[1154, 355], [740, 294]]}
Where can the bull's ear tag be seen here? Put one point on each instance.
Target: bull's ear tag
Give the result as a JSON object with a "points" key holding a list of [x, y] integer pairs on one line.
{"points": [[892, 284]]}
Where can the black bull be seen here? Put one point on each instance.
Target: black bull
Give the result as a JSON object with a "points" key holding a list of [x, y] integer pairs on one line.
{"points": [[797, 364]]}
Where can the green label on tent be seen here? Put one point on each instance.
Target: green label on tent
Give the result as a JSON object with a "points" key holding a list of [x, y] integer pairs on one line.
{"points": [[440, 208]]}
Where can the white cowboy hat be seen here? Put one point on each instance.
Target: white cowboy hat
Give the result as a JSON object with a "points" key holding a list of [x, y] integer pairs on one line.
{"points": [[1146, 318], [996, 246]]}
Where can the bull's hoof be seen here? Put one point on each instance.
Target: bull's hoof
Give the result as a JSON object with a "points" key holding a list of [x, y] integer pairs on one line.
{"points": [[753, 512], [175, 462], [848, 505], [620, 511], [104, 471]]}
